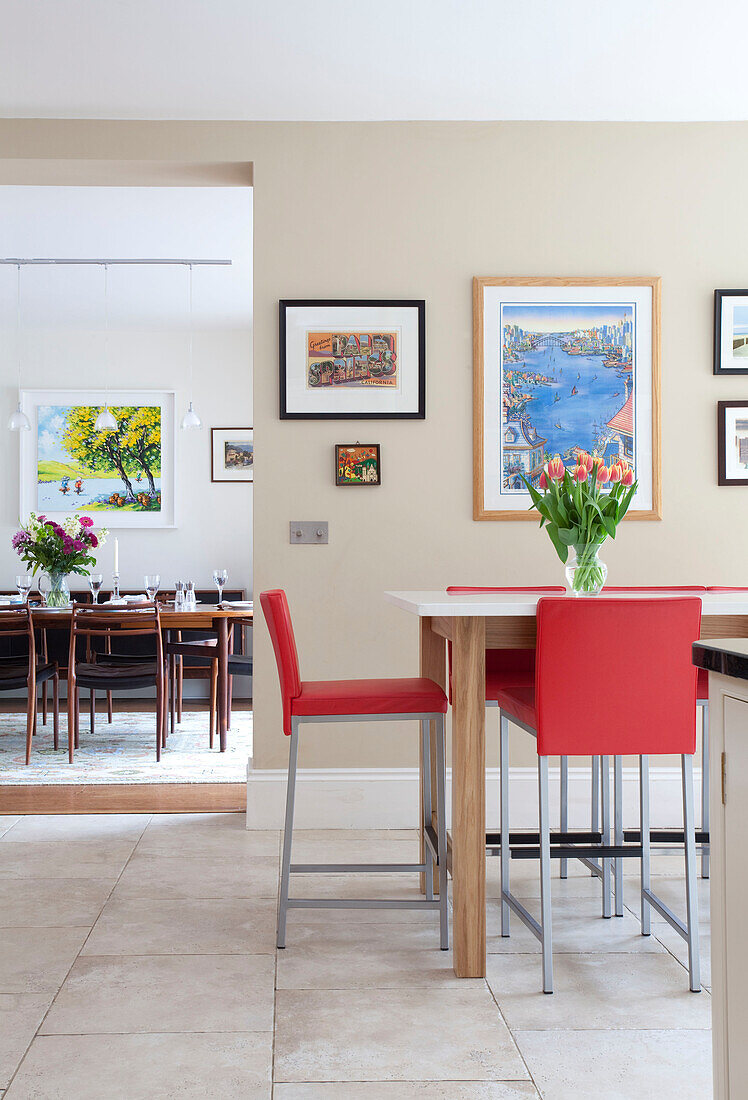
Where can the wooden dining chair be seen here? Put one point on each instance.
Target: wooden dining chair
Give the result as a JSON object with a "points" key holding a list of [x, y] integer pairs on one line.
{"points": [[19, 670], [105, 669]]}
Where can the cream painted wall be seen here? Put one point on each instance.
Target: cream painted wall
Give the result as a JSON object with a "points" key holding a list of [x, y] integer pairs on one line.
{"points": [[415, 210]]}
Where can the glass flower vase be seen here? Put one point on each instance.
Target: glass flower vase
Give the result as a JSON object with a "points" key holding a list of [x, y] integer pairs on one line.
{"points": [[57, 592], [585, 573]]}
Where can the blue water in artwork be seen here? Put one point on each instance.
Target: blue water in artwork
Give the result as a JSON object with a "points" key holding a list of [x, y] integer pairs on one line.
{"points": [[49, 498], [601, 393]]}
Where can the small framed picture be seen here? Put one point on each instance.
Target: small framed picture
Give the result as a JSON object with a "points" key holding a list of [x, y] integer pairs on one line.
{"points": [[732, 442], [357, 464], [233, 453], [731, 332], [352, 360]]}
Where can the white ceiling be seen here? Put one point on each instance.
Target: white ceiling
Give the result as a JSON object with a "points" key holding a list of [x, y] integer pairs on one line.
{"points": [[374, 59]]}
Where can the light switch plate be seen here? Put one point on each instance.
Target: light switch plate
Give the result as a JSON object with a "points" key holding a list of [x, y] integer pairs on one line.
{"points": [[308, 532]]}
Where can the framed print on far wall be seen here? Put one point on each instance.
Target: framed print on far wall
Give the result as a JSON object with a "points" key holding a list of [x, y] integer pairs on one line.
{"points": [[732, 442], [562, 365], [352, 359], [731, 332], [233, 454], [358, 464]]}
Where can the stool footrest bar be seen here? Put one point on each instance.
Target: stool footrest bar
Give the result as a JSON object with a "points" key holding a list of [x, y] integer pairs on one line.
{"points": [[666, 836], [353, 868], [570, 851], [360, 903], [665, 912], [524, 914], [493, 838]]}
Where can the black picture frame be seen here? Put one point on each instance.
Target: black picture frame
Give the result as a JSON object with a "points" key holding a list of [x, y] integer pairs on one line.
{"points": [[722, 407], [338, 447], [417, 304], [718, 297]]}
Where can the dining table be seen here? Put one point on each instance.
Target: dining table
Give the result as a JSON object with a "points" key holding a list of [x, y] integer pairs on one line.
{"points": [[474, 622], [205, 617]]}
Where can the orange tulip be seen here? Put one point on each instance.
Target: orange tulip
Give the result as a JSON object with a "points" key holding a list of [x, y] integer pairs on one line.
{"points": [[588, 461], [597, 461], [581, 473], [624, 464], [628, 478], [555, 468], [616, 473], [603, 474], [543, 481]]}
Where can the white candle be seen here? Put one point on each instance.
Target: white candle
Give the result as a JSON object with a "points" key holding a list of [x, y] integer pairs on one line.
{"points": [[116, 555]]}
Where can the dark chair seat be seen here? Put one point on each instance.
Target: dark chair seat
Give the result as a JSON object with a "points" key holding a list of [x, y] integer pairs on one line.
{"points": [[117, 677], [240, 665], [14, 673]]}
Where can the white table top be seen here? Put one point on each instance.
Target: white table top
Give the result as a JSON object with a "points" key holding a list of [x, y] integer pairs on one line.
{"points": [[438, 603]]}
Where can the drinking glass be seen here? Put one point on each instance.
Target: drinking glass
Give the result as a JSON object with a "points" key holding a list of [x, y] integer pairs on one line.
{"points": [[23, 584], [220, 576], [95, 581], [152, 582], [43, 584]]}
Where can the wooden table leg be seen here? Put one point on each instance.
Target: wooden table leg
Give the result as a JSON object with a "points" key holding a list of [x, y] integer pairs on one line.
{"points": [[223, 679], [433, 665], [469, 796]]}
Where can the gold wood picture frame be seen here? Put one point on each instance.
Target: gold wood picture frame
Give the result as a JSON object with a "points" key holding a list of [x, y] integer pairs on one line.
{"points": [[562, 364]]}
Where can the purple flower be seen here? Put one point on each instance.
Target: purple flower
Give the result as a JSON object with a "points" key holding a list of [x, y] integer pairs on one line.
{"points": [[41, 519], [19, 540], [78, 545], [86, 521], [93, 540]]}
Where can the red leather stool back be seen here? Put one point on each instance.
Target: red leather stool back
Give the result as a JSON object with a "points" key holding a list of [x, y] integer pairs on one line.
{"points": [[655, 588], [278, 617], [615, 677]]}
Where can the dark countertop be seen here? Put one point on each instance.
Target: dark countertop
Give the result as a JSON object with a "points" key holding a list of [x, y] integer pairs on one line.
{"points": [[728, 656]]}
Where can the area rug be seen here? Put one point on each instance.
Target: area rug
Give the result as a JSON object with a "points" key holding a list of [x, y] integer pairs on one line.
{"points": [[125, 752]]}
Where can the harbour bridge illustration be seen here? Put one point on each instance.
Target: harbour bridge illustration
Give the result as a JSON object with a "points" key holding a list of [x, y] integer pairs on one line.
{"points": [[550, 339]]}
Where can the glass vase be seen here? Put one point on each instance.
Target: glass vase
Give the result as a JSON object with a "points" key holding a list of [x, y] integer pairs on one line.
{"points": [[58, 593], [585, 573]]}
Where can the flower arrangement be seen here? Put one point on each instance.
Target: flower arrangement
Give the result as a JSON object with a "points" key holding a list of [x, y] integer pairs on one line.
{"points": [[58, 547], [579, 515]]}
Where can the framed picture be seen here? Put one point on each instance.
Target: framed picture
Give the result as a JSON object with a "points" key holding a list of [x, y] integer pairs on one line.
{"points": [[562, 365], [732, 442], [357, 464], [731, 332], [233, 454], [123, 478], [352, 360]]}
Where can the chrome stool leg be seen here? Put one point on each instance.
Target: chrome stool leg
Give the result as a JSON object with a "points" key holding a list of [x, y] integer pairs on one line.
{"points": [[705, 780], [646, 877], [427, 808], [606, 862], [692, 908], [564, 815], [618, 828], [595, 798], [546, 938], [441, 809], [504, 824], [293, 755]]}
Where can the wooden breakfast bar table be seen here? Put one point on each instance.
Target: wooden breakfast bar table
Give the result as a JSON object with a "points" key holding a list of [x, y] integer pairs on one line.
{"points": [[204, 617], [505, 620]]}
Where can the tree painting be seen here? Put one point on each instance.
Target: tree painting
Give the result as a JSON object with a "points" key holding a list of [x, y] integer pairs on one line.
{"points": [[80, 467]]}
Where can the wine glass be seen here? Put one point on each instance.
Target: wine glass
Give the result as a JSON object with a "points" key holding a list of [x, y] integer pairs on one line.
{"points": [[220, 576], [152, 582], [23, 584], [95, 581], [43, 584]]}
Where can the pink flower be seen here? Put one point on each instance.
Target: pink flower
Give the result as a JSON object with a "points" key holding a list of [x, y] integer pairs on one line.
{"points": [[78, 545], [543, 481], [93, 540], [556, 468], [86, 521], [603, 474], [581, 473], [615, 473], [628, 478]]}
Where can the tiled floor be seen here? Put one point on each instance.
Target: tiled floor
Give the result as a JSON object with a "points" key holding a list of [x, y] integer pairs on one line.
{"points": [[137, 961]]}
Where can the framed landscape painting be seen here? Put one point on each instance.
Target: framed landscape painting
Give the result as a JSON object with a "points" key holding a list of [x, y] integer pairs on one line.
{"points": [[124, 478], [732, 442], [233, 454], [731, 332], [563, 365], [358, 464], [352, 360]]}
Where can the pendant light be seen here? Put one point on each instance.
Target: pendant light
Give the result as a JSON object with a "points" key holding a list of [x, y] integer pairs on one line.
{"points": [[105, 421], [190, 418], [18, 421]]}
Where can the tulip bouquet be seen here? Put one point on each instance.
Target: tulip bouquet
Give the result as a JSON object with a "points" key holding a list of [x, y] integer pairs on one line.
{"points": [[579, 514]]}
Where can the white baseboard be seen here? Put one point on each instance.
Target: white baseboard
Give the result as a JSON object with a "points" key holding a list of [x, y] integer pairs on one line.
{"points": [[374, 798]]}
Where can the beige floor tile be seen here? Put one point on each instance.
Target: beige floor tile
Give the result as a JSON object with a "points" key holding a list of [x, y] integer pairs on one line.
{"points": [[355, 846], [597, 991], [145, 1067], [678, 947], [186, 926], [673, 892], [409, 1090], [36, 960], [577, 925], [51, 902], [77, 827], [20, 1016], [224, 821], [363, 956], [6, 821], [524, 881], [569, 1065], [397, 1034], [102, 860], [175, 876], [191, 839], [105, 995]]}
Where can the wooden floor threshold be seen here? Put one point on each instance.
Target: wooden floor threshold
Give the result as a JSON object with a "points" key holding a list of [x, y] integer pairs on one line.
{"points": [[123, 798]]}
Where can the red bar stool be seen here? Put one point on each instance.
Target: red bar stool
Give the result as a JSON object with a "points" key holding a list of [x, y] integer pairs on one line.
{"points": [[702, 701], [579, 713], [358, 701]]}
